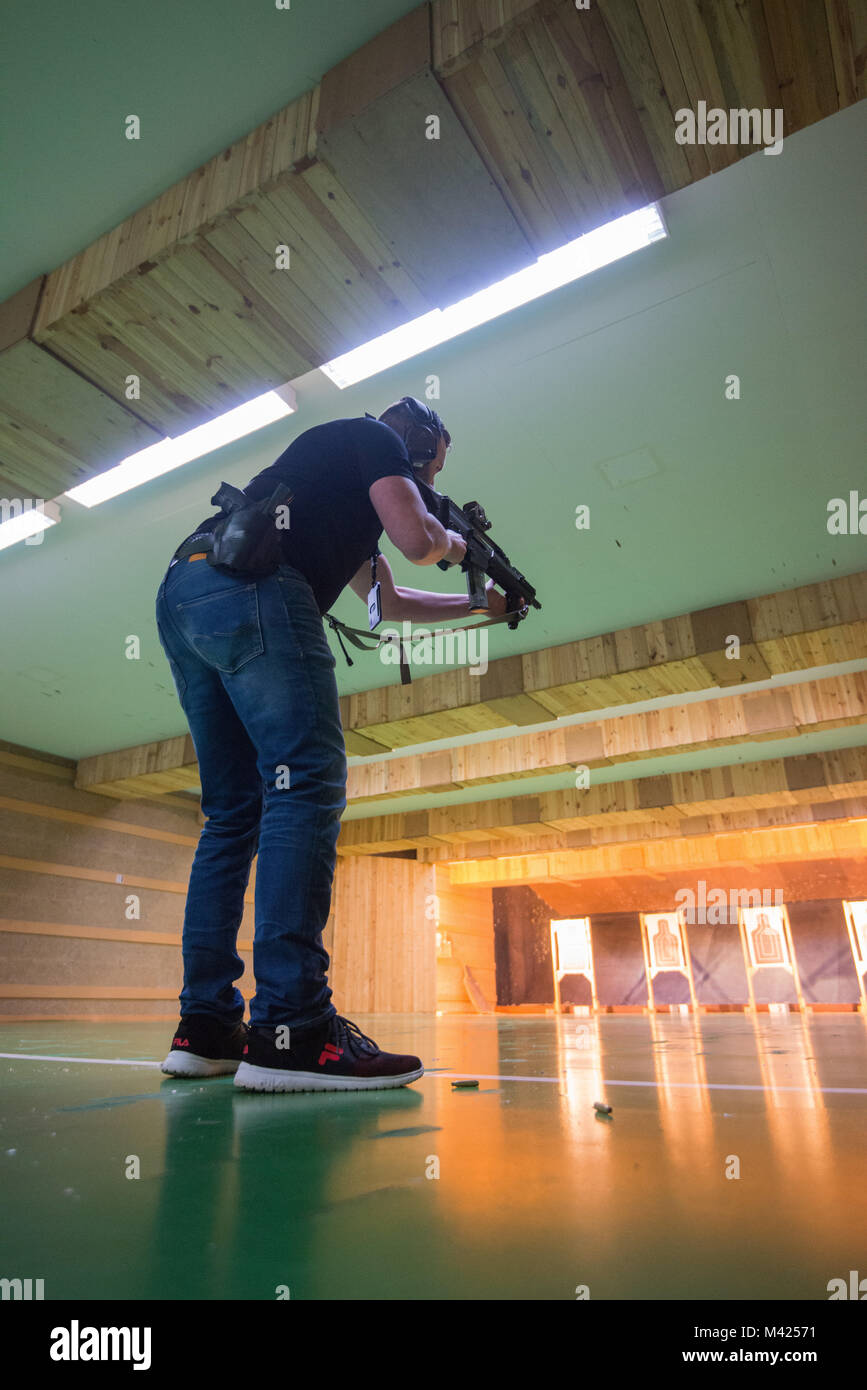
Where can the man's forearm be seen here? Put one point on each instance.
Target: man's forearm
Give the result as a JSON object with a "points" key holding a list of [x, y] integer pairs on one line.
{"points": [[420, 606]]}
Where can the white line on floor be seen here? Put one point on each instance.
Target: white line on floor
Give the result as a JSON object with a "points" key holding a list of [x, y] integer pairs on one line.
{"points": [[679, 1085], [482, 1076], [97, 1061]]}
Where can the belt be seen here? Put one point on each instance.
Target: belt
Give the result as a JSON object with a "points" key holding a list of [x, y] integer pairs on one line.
{"points": [[195, 548]]}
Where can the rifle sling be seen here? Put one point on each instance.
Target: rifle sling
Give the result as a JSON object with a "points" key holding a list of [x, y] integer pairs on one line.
{"points": [[368, 641]]}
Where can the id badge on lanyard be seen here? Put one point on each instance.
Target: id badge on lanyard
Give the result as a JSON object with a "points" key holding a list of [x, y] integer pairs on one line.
{"points": [[374, 598]]}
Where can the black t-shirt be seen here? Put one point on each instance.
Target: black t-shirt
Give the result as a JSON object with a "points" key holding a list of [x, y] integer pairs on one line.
{"points": [[333, 525]]}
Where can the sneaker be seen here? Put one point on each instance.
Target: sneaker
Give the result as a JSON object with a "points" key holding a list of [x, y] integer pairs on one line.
{"points": [[202, 1046], [335, 1056]]}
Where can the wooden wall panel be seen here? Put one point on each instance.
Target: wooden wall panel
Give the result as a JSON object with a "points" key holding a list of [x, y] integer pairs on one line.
{"points": [[466, 926], [381, 943], [64, 934], [92, 847], [38, 764], [52, 899], [69, 862], [30, 958], [86, 1009], [169, 818], [637, 891]]}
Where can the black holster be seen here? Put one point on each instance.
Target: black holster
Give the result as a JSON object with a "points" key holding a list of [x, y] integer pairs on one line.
{"points": [[247, 539]]}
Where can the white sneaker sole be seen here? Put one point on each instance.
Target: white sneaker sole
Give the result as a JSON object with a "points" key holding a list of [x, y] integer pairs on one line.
{"points": [[251, 1078], [192, 1065]]}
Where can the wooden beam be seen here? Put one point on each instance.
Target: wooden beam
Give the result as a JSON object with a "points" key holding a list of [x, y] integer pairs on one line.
{"points": [[552, 121], [463, 29], [54, 422], [786, 712], [544, 841], [211, 321], [374, 133], [793, 630], [787, 845], [32, 760], [809, 707], [812, 779], [270, 149], [155, 768], [847, 31], [639, 891]]}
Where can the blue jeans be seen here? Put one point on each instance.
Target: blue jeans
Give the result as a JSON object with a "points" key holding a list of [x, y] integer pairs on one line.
{"points": [[255, 677]]}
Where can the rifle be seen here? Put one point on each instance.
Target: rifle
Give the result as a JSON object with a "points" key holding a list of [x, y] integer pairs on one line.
{"points": [[483, 558]]}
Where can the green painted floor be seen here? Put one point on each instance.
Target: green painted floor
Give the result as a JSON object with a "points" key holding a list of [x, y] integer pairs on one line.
{"points": [[329, 1195]]}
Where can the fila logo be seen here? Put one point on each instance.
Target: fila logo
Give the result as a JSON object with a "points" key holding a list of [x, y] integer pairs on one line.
{"points": [[181, 1042], [330, 1053]]}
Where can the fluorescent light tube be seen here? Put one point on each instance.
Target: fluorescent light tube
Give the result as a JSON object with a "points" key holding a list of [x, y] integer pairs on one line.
{"points": [[162, 457], [32, 522], [579, 257]]}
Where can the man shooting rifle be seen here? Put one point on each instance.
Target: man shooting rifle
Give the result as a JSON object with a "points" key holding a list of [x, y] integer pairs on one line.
{"points": [[239, 616]]}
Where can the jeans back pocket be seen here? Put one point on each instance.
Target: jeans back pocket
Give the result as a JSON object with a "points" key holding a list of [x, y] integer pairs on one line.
{"points": [[224, 627]]}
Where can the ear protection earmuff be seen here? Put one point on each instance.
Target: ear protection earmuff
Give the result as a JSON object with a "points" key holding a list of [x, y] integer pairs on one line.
{"points": [[421, 434]]}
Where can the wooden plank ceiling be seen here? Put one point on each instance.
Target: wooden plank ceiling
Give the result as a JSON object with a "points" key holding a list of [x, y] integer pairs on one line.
{"points": [[553, 120]]}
